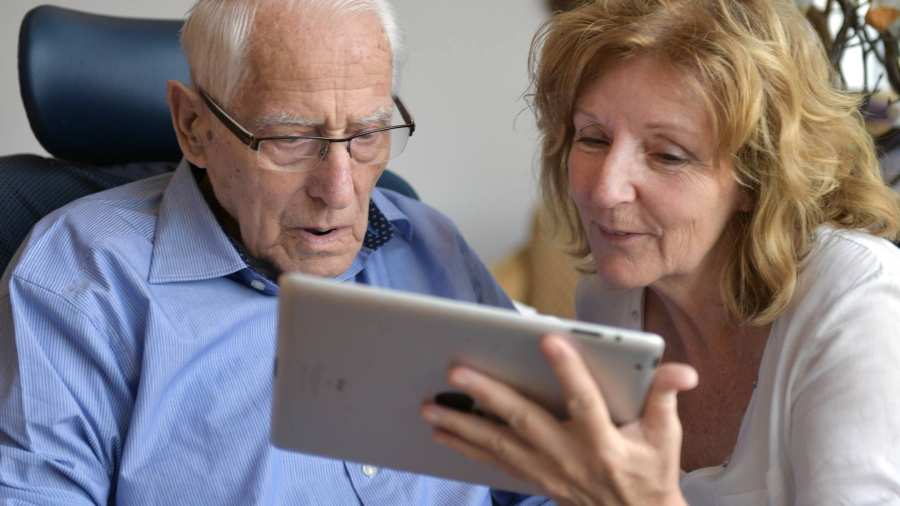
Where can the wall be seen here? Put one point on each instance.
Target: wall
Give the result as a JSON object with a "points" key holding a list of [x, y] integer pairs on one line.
{"points": [[474, 150], [475, 154]]}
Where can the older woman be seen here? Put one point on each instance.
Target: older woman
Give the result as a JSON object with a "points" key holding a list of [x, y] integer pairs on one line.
{"points": [[727, 198]]}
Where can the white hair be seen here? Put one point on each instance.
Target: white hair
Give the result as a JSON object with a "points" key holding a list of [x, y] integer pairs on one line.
{"points": [[216, 35]]}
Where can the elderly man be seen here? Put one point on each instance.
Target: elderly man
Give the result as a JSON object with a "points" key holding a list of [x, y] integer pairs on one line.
{"points": [[137, 325]]}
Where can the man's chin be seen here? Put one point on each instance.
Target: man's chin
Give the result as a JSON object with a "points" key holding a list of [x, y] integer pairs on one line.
{"points": [[324, 265]]}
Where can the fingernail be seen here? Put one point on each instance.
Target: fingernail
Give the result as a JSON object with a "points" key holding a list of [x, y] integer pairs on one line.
{"points": [[461, 377], [430, 414], [555, 348]]}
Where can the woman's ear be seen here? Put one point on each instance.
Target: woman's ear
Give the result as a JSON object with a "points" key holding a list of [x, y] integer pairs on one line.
{"points": [[746, 196], [185, 106], [745, 203]]}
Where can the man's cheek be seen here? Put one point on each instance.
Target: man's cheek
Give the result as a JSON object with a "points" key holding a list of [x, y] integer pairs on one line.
{"points": [[257, 227]]}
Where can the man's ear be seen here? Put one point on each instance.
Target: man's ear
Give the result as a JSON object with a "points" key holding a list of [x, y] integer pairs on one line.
{"points": [[185, 106]]}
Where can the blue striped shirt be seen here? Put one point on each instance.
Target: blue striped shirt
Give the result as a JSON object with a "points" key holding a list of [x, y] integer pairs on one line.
{"points": [[136, 351]]}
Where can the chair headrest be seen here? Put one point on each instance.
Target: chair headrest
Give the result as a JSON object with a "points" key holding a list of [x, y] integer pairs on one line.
{"points": [[94, 86]]}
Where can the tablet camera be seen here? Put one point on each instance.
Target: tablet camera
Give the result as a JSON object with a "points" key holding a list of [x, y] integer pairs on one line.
{"points": [[455, 400], [464, 403]]}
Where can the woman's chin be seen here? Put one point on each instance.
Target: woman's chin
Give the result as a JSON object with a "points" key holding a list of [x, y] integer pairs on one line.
{"points": [[621, 277]]}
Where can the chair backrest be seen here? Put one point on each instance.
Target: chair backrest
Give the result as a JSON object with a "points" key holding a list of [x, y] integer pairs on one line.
{"points": [[94, 86], [94, 90]]}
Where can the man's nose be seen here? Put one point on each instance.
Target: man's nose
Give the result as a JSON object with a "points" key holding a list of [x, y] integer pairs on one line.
{"points": [[614, 180], [332, 180]]}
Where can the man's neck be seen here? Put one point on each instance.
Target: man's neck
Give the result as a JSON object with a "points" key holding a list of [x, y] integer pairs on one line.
{"points": [[231, 227]]}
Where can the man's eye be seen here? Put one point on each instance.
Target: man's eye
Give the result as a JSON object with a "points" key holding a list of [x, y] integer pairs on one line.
{"points": [[296, 146], [293, 142], [368, 138]]}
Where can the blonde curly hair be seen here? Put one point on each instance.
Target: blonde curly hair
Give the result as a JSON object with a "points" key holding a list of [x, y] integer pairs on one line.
{"points": [[798, 144]]}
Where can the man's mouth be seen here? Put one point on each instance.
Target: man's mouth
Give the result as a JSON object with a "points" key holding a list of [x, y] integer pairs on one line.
{"points": [[320, 231]]}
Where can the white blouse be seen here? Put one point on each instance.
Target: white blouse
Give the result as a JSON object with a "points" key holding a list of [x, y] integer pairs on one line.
{"points": [[823, 424]]}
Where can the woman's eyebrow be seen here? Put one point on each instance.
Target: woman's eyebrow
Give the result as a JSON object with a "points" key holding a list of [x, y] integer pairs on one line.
{"points": [[669, 126], [586, 114]]}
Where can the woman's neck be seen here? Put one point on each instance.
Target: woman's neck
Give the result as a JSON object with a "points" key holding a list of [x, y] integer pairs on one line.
{"points": [[690, 313], [698, 327]]}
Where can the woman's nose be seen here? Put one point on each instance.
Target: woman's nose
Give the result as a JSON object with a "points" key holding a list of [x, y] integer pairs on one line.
{"points": [[614, 178]]}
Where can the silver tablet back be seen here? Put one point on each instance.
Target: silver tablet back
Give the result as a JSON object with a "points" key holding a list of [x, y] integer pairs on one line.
{"points": [[355, 363]]}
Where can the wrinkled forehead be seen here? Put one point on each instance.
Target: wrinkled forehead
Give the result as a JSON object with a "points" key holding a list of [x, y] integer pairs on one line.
{"points": [[676, 88], [319, 49]]}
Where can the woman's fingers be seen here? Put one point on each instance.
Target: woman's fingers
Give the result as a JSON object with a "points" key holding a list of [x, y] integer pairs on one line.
{"points": [[482, 440], [586, 456], [584, 400], [661, 407], [495, 439], [524, 417], [473, 452], [487, 442]]}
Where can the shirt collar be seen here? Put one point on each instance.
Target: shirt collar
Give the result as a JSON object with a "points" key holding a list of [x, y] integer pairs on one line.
{"points": [[392, 213], [190, 245]]}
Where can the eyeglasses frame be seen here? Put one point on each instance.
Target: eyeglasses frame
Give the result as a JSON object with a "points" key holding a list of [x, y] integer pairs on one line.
{"points": [[253, 142]]}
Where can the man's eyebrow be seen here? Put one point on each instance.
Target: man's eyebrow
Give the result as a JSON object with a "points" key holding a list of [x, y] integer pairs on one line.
{"points": [[379, 117], [285, 119]]}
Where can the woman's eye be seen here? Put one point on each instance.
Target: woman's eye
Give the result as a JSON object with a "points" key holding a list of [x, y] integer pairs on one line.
{"points": [[669, 158], [592, 142]]}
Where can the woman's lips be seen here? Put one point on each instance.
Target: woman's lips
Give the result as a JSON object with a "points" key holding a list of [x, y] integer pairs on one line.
{"points": [[615, 235]]}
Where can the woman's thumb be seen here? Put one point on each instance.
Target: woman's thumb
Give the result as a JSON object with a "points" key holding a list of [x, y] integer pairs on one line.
{"points": [[661, 406]]}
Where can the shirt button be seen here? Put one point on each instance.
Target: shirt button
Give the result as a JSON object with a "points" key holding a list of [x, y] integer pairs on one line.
{"points": [[369, 471], [635, 315], [258, 285]]}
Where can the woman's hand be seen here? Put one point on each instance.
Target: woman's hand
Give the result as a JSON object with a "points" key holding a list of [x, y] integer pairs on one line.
{"points": [[585, 459]]}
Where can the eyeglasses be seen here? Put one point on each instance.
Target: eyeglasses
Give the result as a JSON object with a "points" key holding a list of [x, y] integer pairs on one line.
{"points": [[304, 152]]}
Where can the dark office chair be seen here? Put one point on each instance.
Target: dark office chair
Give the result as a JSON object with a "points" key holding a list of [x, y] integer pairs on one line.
{"points": [[94, 89]]}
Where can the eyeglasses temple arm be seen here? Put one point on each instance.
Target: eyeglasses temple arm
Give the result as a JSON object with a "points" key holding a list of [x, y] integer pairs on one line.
{"points": [[246, 137], [404, 113]]}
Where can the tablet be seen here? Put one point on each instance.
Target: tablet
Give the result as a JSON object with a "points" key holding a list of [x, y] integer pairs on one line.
{"points": [[354, 365]]}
